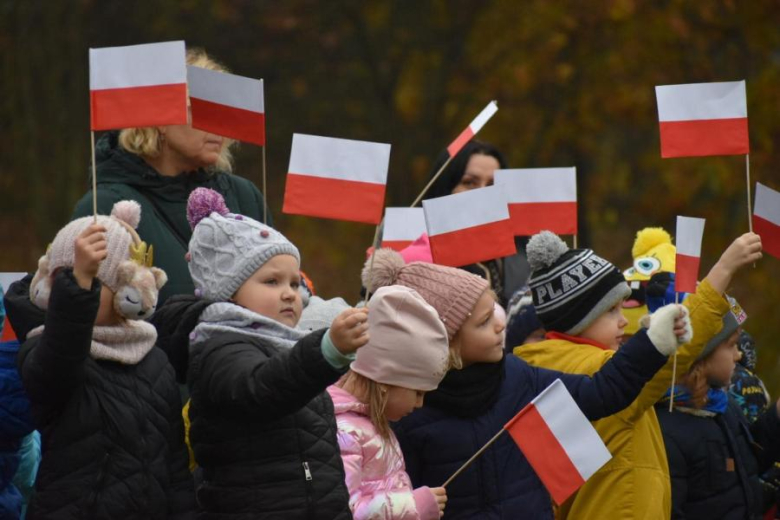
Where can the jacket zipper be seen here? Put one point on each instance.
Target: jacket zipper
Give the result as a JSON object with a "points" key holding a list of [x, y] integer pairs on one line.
{"points": [[307, 472]]}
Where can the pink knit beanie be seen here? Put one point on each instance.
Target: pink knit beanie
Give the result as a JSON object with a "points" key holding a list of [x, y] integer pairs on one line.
{"points": [[452, 292], [408, 346]]}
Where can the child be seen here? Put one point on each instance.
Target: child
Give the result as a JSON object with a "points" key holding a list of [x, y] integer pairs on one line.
{"points": [[104, 399], [406, 357], [581, 309], [262, 426], [715, 454], [472, 404]]}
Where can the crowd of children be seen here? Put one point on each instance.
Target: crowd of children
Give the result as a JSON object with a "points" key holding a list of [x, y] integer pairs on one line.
{"points": [[298, 407]]}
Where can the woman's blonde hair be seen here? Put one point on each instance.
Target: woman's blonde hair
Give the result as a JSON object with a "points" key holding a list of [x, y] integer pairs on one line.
{"points": [[373, 394], [146, 141]]}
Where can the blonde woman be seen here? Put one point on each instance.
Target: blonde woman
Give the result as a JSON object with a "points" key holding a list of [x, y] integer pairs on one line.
{"points": [[159, 167]]}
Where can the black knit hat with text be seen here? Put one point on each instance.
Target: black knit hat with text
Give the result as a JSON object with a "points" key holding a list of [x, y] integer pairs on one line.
{"points": [[571, 287]]}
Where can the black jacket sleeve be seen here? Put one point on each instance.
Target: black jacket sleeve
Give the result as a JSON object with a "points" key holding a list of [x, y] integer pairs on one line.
{"points": [[52, 365], [766, 433], [616, 385], [174, 322], [22, 313], [235, 375], [181, 493]]}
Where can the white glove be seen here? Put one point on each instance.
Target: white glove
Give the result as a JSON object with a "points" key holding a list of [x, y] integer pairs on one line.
{"points": [[661, 330]]}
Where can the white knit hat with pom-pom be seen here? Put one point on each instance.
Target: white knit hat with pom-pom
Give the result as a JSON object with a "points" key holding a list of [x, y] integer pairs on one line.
{"points": [[452, 292], [120, 235]]}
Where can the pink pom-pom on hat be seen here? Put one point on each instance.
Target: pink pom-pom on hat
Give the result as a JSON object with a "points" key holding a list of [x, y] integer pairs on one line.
{"points": [[128, 211], [202, 203]]}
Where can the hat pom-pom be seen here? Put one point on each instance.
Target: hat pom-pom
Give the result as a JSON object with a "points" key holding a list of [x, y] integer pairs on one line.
{"points": [[128, 211], [387, 265], [202, 203], [544, 249]]}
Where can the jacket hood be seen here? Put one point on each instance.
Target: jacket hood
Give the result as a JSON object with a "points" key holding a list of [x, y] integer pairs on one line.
{"points": [[23, 314], [344, 402]]}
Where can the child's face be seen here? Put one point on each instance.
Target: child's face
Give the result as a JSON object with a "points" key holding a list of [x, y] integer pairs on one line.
{"points": [[482, 335], [608, 328], [724, 358], [401, 402], [273, 291]]}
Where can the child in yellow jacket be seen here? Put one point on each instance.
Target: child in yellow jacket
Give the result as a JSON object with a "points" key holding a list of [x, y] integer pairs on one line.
{"points": [[580, 308]]}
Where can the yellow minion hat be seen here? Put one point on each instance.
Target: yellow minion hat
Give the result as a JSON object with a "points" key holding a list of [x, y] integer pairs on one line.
{"points": [[653, 252]]}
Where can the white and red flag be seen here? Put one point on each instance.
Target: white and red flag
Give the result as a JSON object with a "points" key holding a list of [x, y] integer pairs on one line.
{"points": [[766, 219], [471, 130], [402, 227], [699, 119], [339, 179], [469, 227], [689, 235], [558, 440], [227, 105], [541, 199], [138, 85]]}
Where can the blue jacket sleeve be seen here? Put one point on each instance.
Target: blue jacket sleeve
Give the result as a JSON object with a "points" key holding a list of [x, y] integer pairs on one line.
{"points": [[616, 384]]}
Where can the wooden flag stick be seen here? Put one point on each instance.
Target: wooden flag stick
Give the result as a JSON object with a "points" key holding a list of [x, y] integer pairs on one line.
{"points": [[94, 179], [373, 254], [430, 183], [575, 240], [265, 191], [749, 205], [674, 361], [474, 457]]}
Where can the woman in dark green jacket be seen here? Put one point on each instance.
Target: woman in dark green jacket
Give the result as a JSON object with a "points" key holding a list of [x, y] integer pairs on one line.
{"points": [[158, 167]]}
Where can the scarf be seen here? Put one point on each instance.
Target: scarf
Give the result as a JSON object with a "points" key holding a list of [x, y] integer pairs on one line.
{"points": [[717, 401], [223, 317], [469, 392], [127, 343]]}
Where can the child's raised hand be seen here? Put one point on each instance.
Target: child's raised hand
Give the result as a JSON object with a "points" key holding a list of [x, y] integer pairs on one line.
{"points": [[349, 331], [743, 251], [440, 494], [91, 248], [670, 327]]}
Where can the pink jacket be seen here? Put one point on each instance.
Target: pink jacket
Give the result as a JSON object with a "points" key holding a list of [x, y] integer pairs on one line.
{"points": [[378, 485]]}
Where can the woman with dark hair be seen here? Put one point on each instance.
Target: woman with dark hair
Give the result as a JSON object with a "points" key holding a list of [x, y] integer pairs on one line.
{"points": [[472, 168]]}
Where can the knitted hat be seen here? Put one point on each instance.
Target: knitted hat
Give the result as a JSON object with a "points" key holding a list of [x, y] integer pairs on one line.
{"points": [[319, 314], [120, 236], [225, 248], [571, 287], [408, 345], [418, 251], [732, 320], [452, 292], [747, 346]]}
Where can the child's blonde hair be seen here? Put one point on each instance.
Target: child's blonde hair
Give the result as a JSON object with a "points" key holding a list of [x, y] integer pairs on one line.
{"points": [[146, 141], [371, 393]]}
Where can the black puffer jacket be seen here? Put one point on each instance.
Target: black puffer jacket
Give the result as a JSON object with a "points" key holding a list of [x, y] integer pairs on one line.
{"points": [[715, 461], [262, 426], [112, 435]]}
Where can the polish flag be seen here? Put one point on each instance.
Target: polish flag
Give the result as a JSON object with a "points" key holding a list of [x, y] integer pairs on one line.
{"points": [[703, 119], [766, 219], [138, 85], [227, 105], [472, 129], [558, 440], [541, 199], [6, 279], [469, 227], [689, 234], [402, 227], [337, 178]]}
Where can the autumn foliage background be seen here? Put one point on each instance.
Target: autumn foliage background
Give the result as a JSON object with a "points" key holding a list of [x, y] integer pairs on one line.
{"points": [[573, 80]]}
